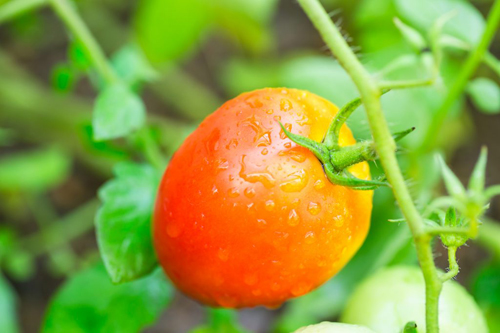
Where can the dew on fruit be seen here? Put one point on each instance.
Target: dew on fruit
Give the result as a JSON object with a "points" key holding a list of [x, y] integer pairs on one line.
{"points": [[319, 184], [285, 104], [310, 237], [300, 289], [263, 177], [249, 192], [214, 189], [339, 221], [223, 254], [173, 230], [222, 164], [293, 218], [233, 192], [264, 151], [253, 102], [269, 205], [233, 143], [288, 145], [261, 222], [270, 111], [256, 292], [262, 134], [250, 279], [295, 182], [314, 208]]}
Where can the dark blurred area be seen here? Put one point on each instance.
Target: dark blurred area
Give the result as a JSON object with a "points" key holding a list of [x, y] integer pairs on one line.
{"points": [[47, 89]]}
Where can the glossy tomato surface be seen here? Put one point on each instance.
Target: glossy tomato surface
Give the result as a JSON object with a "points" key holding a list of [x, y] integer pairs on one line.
{"points": [[246, 217]]}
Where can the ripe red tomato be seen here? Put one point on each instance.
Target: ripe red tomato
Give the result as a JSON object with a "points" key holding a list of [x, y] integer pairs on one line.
{"points": [[246, 217]]}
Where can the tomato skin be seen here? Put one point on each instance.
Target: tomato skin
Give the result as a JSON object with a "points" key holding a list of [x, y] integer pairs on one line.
{"points": [[246, 217], [390, 298]]}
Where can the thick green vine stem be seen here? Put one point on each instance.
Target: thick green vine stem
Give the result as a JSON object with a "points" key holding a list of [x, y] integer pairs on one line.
{"points": [[385, 147]]}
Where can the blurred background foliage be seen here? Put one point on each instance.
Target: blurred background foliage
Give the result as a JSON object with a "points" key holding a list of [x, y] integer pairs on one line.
{"points": [[184, 58]]}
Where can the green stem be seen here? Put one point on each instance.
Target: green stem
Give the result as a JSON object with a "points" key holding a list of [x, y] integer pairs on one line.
{"points": [[403, 84], [15, 8], [452, 260], [61, 232], [385, 147], [460, 82], [151, 149], [68, 14]]}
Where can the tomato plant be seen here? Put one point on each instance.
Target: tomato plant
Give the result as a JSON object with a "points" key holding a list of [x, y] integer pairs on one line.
{"points": [[245, 217], [120, 162]]}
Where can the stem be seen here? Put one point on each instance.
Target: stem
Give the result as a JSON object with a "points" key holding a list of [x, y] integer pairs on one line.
{"points": [[61, 232], [460, 82], [15, 8], [68, 14], [452, 260], [385, 147], [406, 83], [150, 149]]}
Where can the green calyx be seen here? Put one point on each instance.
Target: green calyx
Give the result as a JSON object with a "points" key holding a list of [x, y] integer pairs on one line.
{"points": [[336, 159]]}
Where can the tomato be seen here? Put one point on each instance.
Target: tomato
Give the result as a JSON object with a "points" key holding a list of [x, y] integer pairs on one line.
{"points": [[246, 217], [327, 327], [389, 299]]}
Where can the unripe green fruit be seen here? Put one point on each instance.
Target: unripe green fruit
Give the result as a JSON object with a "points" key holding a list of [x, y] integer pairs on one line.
{"points": [[327, 327], [389, 299]]}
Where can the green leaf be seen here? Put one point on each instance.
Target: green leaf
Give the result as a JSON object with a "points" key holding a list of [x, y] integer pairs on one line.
{"points": [[34, 170], [477, 178], [8, 321], [485, 95], [124, 222], [63, 78], [247, 21], [117, 112], [451, 181], [486, 290], [78, 57], [468, 23], [89, 302], [132, 66], [169, 29]]}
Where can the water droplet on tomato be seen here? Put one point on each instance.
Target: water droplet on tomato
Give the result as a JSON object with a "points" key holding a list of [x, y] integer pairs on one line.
{"points": [[173, 230], [314, 208], [319, 184], [250, 279], [295, 182], [300, 289], [263, 177], [233, 192], [285, 105], [293, 218], [264, 151], [233, 143], [270, 111], [269, 205], [310, 237], [262, 134], [249, 192], [223, 254], [288, 145], [261, 222]]}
